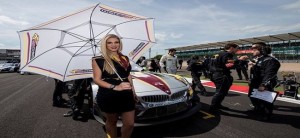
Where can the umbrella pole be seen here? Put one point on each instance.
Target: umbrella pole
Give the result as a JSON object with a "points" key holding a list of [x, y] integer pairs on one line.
{"points": [[115, 71]]}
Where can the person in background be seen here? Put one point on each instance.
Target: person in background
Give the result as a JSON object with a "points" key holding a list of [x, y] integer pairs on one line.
{"points": [[241, 66], [171, 62], [180, 61], [196, 67], [158, 66], [143, 62], [206, 66], [264, 77], [58, 100], [116, 95], [221, 75], [76, 95], [153, 66]]}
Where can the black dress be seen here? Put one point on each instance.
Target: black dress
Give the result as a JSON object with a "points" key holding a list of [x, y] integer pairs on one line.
{"points": [[111, 101]]}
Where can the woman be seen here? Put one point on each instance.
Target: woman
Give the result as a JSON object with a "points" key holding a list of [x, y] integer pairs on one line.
{"points": [[116, 93]]}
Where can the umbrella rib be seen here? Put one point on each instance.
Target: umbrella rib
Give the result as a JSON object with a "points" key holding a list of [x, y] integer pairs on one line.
{"points": [[71, 60], [80, 37], [92, 35]]}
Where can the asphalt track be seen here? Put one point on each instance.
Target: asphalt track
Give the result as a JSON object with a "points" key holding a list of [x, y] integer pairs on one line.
{"points": [[26, 111]]}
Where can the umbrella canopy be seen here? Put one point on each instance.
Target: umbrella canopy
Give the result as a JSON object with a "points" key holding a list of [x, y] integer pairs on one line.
{"points": [[62, 48]]}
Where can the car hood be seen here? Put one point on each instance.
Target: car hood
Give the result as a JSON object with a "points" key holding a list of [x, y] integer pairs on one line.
{"points": [[148, 81]]}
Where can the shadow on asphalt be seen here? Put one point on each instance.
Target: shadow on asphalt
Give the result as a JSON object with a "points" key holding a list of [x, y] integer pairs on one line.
{"points": [[191, 126], [277, 118], [287, 118], [211, 94]]}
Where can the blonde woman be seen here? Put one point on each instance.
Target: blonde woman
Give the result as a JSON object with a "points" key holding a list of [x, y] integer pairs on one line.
{"points": [[111, 71]]}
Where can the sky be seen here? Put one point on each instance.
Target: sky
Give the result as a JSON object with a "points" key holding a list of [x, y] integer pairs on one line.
{"points": [[177, 22]]}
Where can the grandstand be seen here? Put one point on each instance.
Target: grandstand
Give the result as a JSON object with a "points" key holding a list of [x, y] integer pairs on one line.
{"points": [[284, 46]]}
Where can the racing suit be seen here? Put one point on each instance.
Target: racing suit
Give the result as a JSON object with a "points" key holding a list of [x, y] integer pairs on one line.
{"points": [[196, 67], [76, 95], [221, 77], [171, 63]]}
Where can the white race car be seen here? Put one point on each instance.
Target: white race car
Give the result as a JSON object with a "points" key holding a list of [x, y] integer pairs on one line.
{"points": [[162, 98]]}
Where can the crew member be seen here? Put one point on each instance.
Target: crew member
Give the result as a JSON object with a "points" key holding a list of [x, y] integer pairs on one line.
{"points": [[221, 76], [196, 67], [264, 77]]}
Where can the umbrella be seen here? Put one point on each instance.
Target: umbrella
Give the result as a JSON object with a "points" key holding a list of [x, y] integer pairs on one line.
{"points": [[62, 48]]}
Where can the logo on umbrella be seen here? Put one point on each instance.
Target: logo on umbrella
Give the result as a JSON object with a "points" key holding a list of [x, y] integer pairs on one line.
{"points": [[34, 43], [137, 49], [81, 71]]}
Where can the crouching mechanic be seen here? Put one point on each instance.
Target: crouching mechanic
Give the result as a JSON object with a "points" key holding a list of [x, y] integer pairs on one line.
{"points": [[196, 67], [264, 78], [77, 96]]}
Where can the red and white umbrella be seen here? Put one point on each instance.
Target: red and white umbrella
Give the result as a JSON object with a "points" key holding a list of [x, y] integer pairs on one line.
{"points": [[63, 48]]}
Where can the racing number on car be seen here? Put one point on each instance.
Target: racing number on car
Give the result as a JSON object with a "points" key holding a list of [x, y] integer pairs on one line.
{"points": [[208, 115]]}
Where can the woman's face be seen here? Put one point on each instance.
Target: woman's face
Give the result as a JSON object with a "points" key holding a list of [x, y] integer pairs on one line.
{"points": [[113, 44]]}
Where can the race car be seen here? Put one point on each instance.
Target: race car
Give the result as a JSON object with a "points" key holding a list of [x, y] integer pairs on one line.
{"points": [[162, 98]]}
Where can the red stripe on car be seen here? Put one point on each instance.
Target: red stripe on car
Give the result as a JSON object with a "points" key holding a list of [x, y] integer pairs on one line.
{"points": [[154, 81]]}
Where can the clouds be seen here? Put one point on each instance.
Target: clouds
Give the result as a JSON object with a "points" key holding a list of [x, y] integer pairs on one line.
{"points": [[177, 23], [8, 20], [294, 6]]}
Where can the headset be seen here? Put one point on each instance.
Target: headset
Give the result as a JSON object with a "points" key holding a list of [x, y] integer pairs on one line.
{"points": [[264, 49]]}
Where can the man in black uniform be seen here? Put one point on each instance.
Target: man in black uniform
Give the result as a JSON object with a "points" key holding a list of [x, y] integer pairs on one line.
{"points": [[264, 78], [76, 95], [241, 65], [196, 67], [206, 66], [58, 100], [220, 69]]}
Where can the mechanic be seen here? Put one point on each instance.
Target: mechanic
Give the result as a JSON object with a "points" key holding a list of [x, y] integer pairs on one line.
{"points": [[264, 78], [196, 67], [58, 100], [221, 75], [76, 95]]}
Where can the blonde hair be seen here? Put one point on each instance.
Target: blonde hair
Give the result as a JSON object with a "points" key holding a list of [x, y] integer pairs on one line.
{"points": [[108, 63]]}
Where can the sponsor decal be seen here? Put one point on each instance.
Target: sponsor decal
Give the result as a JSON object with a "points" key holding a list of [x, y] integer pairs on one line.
{"points": [[81, 71], [152, 105], [118, 13], [137, 49], [154, 81]]}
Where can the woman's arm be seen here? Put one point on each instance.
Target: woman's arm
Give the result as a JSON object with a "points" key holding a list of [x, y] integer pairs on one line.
{"points": [[97, 76]]}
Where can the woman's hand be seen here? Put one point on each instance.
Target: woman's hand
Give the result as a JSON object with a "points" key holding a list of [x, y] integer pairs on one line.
{"points": [[123, 86]]}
